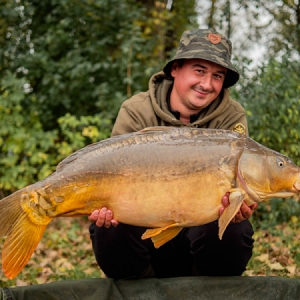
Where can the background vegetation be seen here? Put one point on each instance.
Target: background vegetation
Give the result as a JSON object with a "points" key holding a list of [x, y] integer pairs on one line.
{"points": [[66, 66]]}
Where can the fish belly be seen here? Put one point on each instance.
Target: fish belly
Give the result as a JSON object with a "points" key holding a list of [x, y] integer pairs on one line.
{"points": [[189, 200]]}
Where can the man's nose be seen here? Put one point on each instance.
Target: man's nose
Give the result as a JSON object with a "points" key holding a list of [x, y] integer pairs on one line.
{"points": [[206, 82]]}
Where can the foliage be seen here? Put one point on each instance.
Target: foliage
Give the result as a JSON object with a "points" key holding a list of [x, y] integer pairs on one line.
{"points": [[76, 133], [257, 28], [272, 100], [73, 54], [25, 149], [27, 152], [282, 26], [85, 57]]}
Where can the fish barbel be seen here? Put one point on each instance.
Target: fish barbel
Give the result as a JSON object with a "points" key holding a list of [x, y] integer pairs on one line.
{"points": [[162, 178]]}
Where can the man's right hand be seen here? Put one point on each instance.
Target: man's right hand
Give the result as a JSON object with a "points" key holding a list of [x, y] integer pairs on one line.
{"points": [[103, 217]]}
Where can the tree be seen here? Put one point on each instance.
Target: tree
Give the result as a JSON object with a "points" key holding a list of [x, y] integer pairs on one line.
{"points": [[284, 34], [71, 54], [85, 57], [273, 26], [272, 101]]}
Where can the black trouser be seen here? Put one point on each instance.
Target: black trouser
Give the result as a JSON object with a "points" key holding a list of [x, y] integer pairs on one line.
{"points": [[122, 254]]}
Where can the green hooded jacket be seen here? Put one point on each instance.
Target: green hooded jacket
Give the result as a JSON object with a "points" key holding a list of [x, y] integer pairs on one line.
{"points": [[147, 109]]}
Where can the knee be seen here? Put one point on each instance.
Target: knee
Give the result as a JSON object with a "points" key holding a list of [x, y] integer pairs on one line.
{"points": [[226, 257], [234, 231], [120, 252], [239, 234], [236, 239]]}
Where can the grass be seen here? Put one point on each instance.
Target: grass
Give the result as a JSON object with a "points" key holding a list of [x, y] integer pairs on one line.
{"points": [[65, 252]]}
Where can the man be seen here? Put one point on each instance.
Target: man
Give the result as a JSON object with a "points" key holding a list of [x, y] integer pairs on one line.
{"points": [[191, 91]]}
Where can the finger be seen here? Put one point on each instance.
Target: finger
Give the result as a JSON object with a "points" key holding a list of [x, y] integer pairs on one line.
{"points": [[108, 219], [225, 199], [102, 216], [246, 211], [221, 210], [254, 206], [114, 223], [238, 217], [94, 216]]}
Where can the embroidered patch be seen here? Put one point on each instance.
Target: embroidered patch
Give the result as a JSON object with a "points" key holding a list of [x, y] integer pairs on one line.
{"points": [[214, 38], [239, 127]]}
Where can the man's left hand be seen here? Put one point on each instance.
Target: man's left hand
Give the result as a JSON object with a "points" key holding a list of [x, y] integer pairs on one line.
{"points": [[244, 213]]}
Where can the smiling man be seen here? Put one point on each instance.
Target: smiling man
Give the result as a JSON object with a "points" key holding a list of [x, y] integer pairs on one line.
{"points": [[191, 91]]}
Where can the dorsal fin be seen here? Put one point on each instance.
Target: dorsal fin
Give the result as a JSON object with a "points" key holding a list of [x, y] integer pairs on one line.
{"points": [[156, 128]]}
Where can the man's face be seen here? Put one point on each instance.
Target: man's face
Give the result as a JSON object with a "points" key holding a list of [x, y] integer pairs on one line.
{"points": [[196, 84]]}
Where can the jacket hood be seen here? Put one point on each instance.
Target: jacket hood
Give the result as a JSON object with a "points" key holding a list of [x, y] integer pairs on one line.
{"points": [[159, 86]]}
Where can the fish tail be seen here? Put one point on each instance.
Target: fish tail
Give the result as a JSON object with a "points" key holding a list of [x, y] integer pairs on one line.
{"points": [[22, 235]]}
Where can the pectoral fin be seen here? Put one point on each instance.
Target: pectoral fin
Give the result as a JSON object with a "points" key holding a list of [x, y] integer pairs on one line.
{"points": [[160, 236], [236, 199]]}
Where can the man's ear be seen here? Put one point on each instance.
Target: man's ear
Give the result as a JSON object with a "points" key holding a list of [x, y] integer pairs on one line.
{"points": [[174, 68]]}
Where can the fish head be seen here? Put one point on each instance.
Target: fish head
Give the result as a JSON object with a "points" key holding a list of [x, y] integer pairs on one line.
{"points": [[267, 174]]}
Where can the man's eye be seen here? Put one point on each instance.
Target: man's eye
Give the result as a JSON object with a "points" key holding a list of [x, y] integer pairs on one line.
{"points": [[218, 76]]}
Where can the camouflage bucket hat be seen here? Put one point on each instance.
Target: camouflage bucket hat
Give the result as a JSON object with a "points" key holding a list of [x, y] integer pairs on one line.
{"points": [[209, 45]]}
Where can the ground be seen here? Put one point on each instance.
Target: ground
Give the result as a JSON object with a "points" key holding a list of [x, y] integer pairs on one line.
{"points": [[65, 252]]}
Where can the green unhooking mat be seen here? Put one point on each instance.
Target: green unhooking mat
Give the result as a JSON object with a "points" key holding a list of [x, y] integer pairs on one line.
{"points": [[183, 288]]}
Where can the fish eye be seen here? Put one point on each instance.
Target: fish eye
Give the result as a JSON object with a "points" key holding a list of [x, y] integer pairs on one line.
{"points": [[280, 162]]}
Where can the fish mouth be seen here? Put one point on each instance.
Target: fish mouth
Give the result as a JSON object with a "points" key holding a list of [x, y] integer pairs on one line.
{"points": [[297, 185]]}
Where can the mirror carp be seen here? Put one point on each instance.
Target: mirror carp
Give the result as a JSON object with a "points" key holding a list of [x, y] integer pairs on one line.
{"points": [[161, 178]]}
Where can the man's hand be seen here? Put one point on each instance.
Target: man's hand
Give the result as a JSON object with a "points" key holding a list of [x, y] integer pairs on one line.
{"points": [[244, 213], [103, 217]]}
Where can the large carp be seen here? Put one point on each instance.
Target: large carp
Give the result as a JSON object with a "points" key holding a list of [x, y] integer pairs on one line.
{"points": [[162, 178]]}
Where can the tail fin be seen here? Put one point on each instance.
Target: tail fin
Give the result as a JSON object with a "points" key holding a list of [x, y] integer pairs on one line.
{"points": [[22, 234]]}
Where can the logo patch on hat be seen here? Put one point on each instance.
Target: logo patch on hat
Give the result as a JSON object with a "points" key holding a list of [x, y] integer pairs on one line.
{"points": [[239, 127], [214, 38]]}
